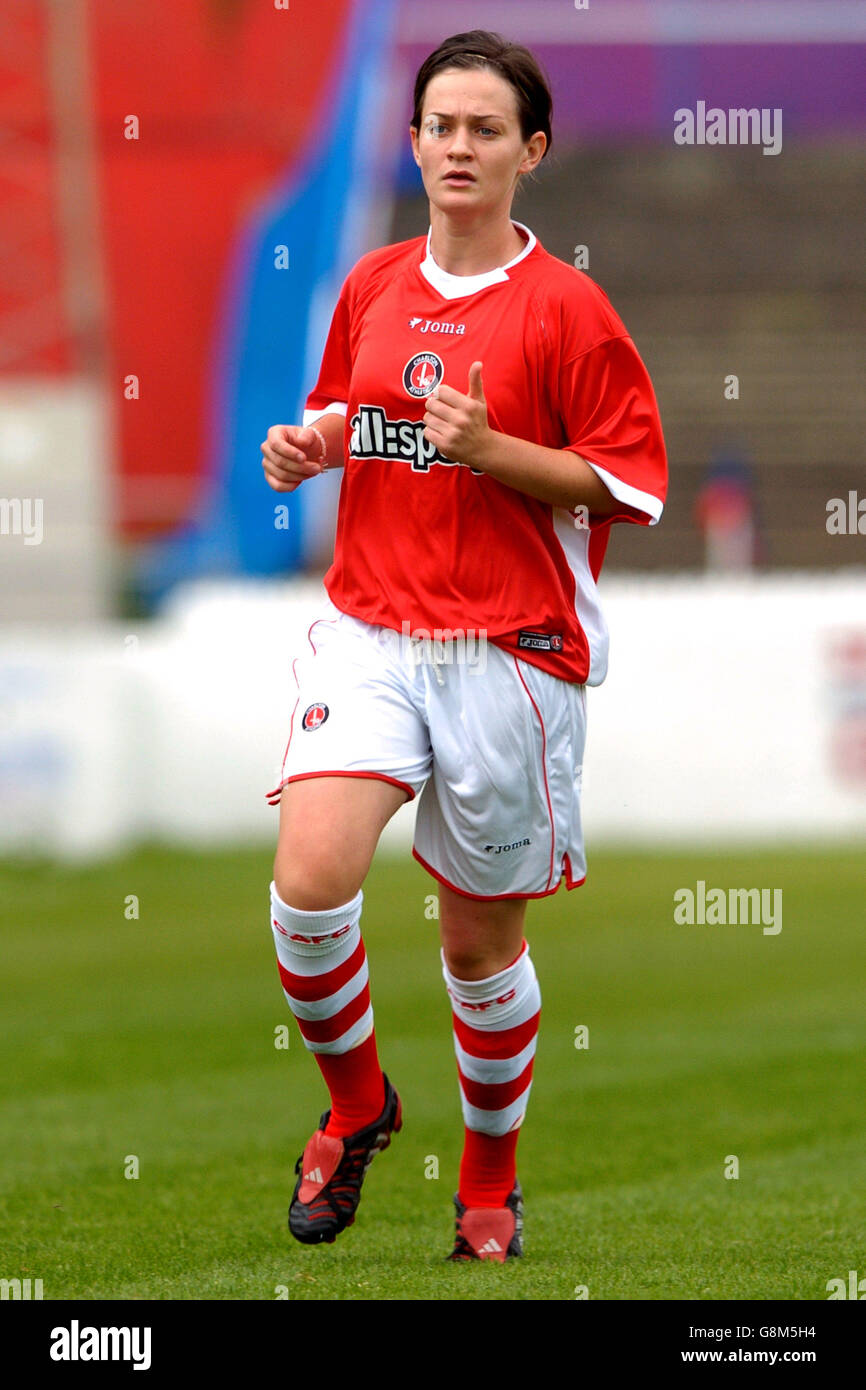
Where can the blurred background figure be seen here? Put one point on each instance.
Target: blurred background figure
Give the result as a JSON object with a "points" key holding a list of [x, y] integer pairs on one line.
{"points": [[725, 513], [846, 676]]}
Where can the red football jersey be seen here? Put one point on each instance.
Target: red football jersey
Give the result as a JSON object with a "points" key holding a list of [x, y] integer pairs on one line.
{"points": [[425, 541]]}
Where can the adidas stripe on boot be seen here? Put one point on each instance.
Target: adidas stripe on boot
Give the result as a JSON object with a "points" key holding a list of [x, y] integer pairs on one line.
{"points": [[330, 1173], [489, 1233]]}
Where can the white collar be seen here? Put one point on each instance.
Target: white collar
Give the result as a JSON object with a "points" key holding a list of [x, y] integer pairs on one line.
{"points": [[457, 286]]}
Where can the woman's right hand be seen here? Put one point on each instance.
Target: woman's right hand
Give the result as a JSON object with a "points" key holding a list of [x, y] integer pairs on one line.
{"points": [[289, 455]]}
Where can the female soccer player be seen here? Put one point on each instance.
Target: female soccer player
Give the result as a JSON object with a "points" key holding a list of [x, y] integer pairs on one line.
{"points": [[493, 419]]}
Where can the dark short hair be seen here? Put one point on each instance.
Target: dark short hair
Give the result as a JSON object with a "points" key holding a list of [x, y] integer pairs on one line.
{"points": [[479, 49]]}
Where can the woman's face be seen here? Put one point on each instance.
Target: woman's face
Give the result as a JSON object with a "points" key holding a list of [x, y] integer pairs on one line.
{"points": [[469, 148]]}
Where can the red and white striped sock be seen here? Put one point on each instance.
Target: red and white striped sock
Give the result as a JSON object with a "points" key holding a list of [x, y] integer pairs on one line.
{"points": [[323, 969], [495, 1031]]}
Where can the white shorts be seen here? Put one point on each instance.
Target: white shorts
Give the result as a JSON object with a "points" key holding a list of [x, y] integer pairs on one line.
{"points": [[493, 744]]}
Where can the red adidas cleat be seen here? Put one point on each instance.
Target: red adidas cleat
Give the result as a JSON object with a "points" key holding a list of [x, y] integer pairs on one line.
{"points": [[331, 1171], [490, 1233]]}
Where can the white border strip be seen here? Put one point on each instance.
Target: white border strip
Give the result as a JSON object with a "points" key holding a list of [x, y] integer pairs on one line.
{"points": [[624, 492], [335, 408]]}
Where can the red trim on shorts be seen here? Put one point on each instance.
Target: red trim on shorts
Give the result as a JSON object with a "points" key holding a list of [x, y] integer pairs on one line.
{"points": [[483, 897], [274, 797], [313, 624], [569, 881], [335, 772], [543, 766], [291, 722]]}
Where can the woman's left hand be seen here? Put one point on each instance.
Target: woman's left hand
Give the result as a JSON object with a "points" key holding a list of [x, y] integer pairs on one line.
{"points": [[457, 424]]}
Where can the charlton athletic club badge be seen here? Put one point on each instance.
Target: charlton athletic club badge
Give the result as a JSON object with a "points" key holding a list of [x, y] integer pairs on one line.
{"points": [[422, 373], [314, 716]]}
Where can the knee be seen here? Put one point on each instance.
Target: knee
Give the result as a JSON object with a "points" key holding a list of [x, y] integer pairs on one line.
{"points": [[467, 963], [310, 886]]}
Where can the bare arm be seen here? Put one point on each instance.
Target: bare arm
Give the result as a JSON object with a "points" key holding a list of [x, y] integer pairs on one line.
{"points": [[291, 453], [557, 476]]}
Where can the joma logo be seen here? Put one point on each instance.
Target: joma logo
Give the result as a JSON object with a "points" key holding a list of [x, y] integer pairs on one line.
{"points": [[503, 849], [433, 326]]}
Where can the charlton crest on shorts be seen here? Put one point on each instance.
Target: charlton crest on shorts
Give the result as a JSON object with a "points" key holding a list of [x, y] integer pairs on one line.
{"points": [[314, 716], [422, 373]]}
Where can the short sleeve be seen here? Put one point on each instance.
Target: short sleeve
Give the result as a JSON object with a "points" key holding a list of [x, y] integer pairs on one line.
{"points": [[330, 394], [610, 417]]}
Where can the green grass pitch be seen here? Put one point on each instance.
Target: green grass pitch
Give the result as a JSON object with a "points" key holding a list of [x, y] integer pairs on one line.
{"points": [[153, 1039]]}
